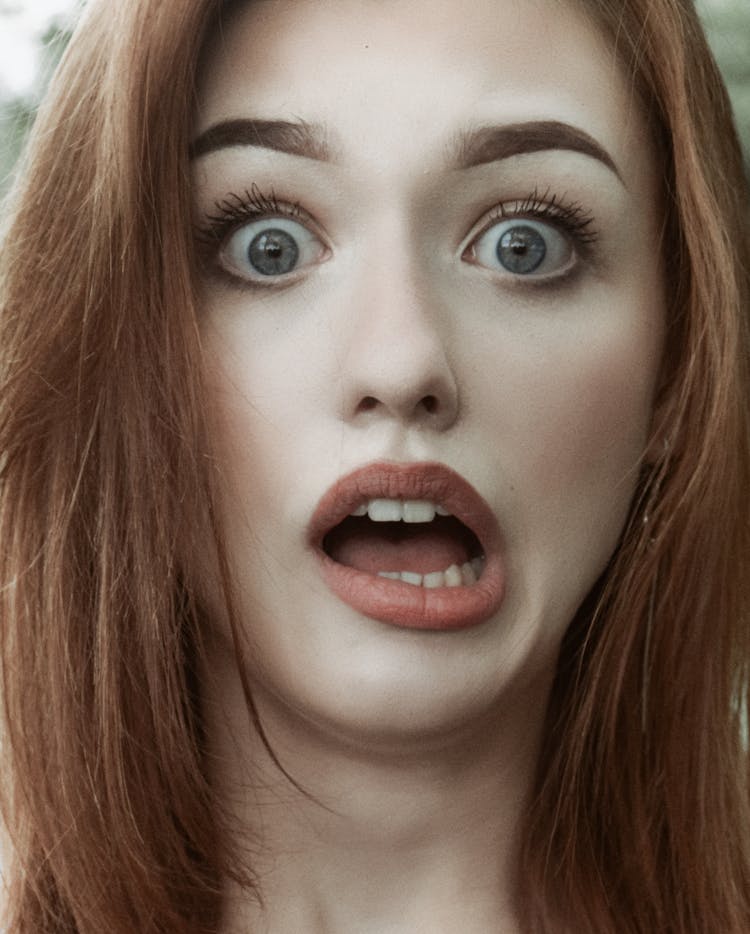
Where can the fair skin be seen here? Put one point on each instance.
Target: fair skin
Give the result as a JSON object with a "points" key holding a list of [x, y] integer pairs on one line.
{"points": [[399, 331]]}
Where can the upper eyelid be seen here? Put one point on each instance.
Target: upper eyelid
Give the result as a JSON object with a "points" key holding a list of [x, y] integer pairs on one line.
{"points": [[546, 208], [571, 219], [220, 215], [568, 216]]}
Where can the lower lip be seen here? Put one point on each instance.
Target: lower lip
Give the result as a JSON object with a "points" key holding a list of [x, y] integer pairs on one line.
{"points": [[413, 607]]}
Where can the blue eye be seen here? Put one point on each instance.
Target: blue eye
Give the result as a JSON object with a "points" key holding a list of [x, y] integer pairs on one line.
{"points": [[270, 248], [523, 247]]}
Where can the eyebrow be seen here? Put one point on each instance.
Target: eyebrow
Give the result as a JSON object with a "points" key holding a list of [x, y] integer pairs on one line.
{"points": [[472, 148], [296, 138], [495, 143]]}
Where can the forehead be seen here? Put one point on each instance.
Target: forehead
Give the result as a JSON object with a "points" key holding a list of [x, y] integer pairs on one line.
{"points": [[394, 80]]}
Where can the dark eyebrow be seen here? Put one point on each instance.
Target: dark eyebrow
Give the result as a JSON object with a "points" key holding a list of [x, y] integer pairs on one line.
{"points": [[493, 143], [296, 138], [473, 148]]}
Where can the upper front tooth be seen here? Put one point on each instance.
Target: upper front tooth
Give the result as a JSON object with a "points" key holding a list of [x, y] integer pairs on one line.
{"points": [[394, 510], [418, 510], [385, 510]]}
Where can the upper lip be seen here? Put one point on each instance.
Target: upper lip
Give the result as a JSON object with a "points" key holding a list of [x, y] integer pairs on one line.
{"points": [[426, 481]]}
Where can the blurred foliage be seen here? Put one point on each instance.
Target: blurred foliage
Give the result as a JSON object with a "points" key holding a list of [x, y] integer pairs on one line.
{"points": [[16, 117], [727, 24], [17, 113]]}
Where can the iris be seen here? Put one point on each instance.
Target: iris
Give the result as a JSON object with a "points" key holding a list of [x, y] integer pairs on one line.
{"points": [[521, 249], [273, 252]]}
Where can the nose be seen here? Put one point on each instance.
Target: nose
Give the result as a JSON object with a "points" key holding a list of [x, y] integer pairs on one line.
{"points": [[397, 360]]}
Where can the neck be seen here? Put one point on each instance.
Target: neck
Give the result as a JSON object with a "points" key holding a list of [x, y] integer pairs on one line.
{"points": [[391, 834]]}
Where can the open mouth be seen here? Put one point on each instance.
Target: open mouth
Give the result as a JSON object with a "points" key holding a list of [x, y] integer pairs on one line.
{"points": [[414, 545], [414, 541]]}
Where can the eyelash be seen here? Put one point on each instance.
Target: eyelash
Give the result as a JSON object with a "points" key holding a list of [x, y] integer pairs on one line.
{"points": [[233, 211], [568, 216]]}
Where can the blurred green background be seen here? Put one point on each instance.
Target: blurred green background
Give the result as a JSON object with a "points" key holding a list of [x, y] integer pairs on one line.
{"points": [[727, 24]]}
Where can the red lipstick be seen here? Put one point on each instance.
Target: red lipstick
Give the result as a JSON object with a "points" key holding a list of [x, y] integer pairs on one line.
{"points": [[396, 601]]}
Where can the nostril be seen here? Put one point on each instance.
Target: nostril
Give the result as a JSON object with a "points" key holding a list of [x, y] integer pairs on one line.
{"points": [[367, 404], [428, 404], [409, 407]]}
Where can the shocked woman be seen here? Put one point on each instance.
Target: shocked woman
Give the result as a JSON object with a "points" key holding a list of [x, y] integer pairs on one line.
{"points": [[375, 468]]}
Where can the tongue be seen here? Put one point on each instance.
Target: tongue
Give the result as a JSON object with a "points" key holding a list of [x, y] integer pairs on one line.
{"points": [[397, 546]]}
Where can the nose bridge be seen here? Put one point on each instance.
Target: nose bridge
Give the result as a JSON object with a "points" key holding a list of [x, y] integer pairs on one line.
{"points": [[398, 360]]}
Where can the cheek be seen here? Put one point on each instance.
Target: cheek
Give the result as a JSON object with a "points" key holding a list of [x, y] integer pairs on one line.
{"points": [[589, 417], [266, 375], [571, 413], [575, 392], [240, 433], [262, 399], [252, 394]]}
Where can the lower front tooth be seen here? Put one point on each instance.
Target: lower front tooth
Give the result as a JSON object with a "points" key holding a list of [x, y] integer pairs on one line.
{"points": [[453, 577]]}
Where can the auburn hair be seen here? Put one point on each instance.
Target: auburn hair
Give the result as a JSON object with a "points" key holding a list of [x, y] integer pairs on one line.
{"points": [[640, 820]]}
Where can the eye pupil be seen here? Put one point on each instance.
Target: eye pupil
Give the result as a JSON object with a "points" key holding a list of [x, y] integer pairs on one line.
{"points": [[273, 252], [521, 249]]}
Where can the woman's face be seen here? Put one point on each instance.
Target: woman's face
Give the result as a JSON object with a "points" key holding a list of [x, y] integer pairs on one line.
{"points": [[432, 274]]}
